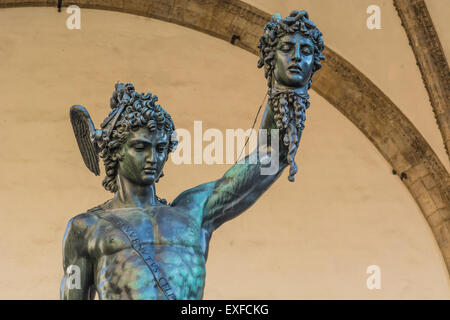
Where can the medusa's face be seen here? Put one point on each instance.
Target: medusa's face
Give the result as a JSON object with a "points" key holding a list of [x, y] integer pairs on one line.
{"points": [[143, 156], [294, 59]]}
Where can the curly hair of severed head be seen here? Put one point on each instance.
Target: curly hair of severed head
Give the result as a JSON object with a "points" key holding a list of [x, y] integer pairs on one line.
{"points": [[130, 111], [296, 22], [288, 106]]}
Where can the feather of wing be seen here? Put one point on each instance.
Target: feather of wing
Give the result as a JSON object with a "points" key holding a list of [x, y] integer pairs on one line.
{"points": [[83, 128]]}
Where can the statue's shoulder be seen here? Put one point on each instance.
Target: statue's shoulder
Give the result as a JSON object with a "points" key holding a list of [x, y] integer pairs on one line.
{"points": [[104, 207], [86, 220], [82, 222]]}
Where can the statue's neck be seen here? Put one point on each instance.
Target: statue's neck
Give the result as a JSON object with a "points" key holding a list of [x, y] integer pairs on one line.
{"points": [[130, 194], [302, 91]]}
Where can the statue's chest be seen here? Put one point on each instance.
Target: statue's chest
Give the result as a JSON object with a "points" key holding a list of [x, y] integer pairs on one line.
{"points": [[158, 227]]}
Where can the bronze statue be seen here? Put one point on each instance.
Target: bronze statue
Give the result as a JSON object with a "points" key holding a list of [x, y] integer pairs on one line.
{"points": [[138, 246]]}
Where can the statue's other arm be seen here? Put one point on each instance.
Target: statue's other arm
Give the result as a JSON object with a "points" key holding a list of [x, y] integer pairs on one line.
{"points": [[77, 282]]}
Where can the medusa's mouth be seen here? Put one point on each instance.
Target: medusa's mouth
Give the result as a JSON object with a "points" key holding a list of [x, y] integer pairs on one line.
{"points": [[295, 69]]}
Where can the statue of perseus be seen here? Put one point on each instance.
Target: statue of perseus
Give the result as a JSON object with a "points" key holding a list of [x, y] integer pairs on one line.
{"points": [[137, 245]]}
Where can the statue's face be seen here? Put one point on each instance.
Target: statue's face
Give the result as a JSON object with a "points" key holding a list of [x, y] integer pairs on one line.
{"points": [[143, 156], [294, 58]]}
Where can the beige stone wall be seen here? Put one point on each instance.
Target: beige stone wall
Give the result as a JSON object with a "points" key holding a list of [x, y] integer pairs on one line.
{"points": [[345, 211]]}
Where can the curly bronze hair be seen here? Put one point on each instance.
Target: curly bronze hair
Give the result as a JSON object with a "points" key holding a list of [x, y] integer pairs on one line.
{"points": [[288, 106], [297, 21], [137, 110]]}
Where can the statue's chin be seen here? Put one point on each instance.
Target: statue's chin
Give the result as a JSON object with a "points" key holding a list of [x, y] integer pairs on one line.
{"points": [[148, 180]]}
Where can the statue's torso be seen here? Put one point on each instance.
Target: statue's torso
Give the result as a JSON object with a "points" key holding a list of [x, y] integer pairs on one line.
{"points": [[175, 236]]}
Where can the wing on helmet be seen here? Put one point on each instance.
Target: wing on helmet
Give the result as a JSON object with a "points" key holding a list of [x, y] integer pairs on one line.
{"points": [[84, 129]]}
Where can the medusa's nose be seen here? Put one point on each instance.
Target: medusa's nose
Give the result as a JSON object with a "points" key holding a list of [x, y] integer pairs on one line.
{"points": [[297, 55]]}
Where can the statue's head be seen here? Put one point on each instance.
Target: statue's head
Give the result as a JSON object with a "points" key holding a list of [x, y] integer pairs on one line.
{"points": [[290, 50], [137, 138]]}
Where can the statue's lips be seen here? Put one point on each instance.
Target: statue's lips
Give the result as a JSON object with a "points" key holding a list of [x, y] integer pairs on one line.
{"points": [[295, 69], [150, 171]]}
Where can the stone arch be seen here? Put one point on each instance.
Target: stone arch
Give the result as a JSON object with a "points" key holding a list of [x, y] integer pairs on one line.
{"points": [[339, 82], [431, 60]]}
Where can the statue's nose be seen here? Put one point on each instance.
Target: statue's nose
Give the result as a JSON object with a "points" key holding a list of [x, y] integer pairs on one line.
{"points": [[151, 157], [297, 55]]}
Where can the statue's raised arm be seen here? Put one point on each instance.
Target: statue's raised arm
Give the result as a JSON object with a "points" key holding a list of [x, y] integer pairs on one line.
{"points": [[290, 52]]}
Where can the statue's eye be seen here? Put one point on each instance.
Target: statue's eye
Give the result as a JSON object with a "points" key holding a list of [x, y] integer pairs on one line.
{"points": [[285, 47], [161, 148], [139, 146], [307, 50]]}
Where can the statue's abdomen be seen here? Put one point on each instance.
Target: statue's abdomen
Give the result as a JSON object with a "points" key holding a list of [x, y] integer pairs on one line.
{"points": [[124, 275]]}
